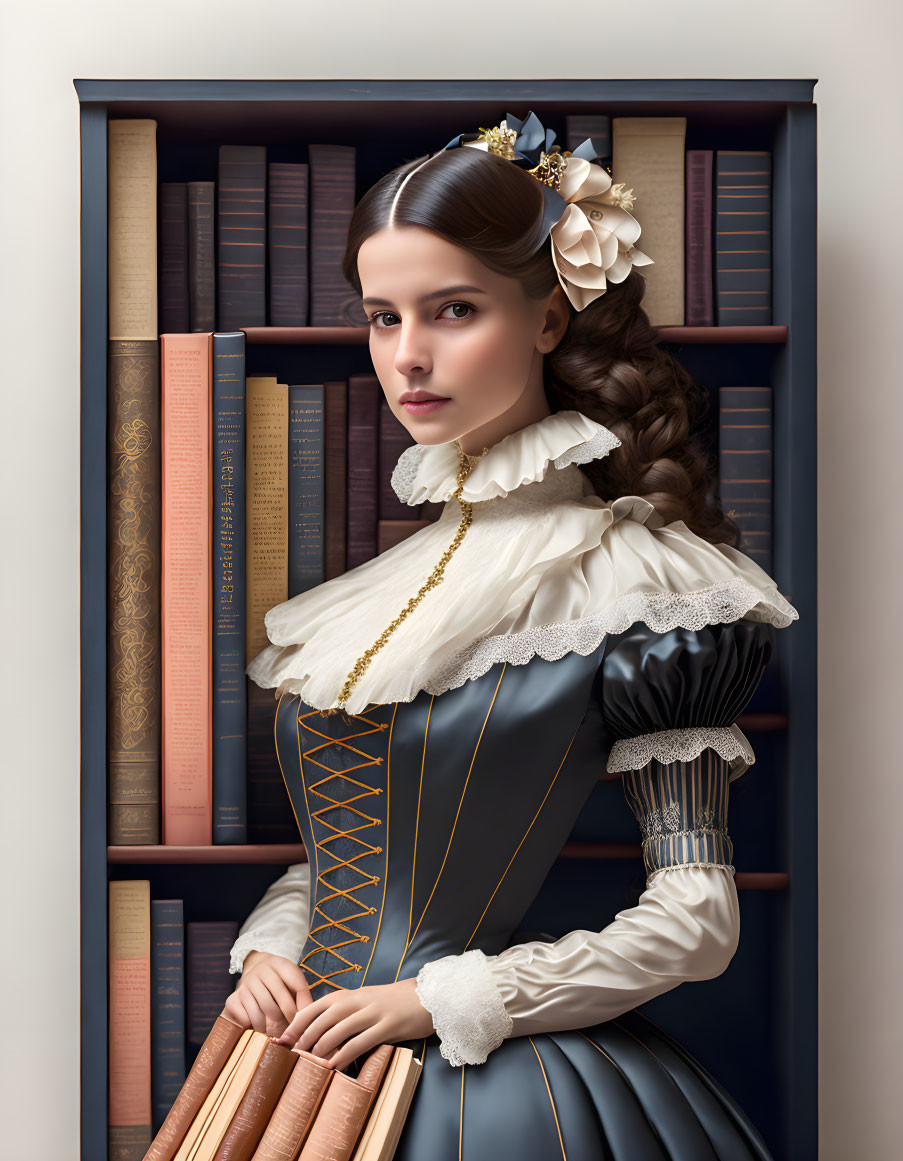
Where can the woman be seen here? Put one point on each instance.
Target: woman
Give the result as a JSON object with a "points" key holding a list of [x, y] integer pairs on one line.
{"points": [[445, 709]]}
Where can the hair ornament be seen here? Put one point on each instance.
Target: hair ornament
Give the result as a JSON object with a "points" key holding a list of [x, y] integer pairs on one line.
{"points": [[586, 217]]}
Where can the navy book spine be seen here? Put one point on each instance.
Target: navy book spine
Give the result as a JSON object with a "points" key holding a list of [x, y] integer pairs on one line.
{"points": [[230, 709], [306, 491], [167, 1006], [743, 237], [209, 984], [745, 455]]}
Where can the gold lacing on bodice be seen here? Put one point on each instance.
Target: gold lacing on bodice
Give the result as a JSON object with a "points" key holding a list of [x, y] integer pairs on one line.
{"points": [[318, 789]]}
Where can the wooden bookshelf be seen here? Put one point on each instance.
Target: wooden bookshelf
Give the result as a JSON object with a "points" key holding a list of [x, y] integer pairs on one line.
{"points": [[775, 803], [360, 336]]}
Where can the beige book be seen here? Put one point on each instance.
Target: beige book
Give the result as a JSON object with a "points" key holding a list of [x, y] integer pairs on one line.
{"points": [[132, 227], [382, 1131], [266, 505], [649, 157]]}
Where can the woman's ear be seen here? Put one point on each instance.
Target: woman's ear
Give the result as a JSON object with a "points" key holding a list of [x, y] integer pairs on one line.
{"points": [[555, 322]]}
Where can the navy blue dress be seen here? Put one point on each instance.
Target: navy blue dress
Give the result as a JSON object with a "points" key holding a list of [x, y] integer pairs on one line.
{"points": [[419, 822]]}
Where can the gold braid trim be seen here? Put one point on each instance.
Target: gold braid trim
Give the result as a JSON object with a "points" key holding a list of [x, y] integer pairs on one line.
{"points": [[466, 466]]}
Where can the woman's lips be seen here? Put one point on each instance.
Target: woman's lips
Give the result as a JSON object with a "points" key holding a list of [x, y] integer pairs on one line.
{"points": [[424, 406]]}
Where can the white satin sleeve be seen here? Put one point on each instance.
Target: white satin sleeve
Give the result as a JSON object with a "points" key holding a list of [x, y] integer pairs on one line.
{"points": [[685, 926], [280, 922]]}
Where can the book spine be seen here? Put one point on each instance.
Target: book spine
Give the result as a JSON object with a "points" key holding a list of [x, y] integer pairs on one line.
{"points": [[306, 490], [335, 408], [745, 467], [173, 233], [700, 310], [167, 1006], [363, 416], [132, 228], [256, 1106], [648, 157], [743, 237], [209, 943], [129, 1115], [230, 714], [296, 1110], [270, 817], [287, 243], [133, 592], [332, 180], [394, 437], [208, 1065], [186, 589], [241, 237], [201, 257]]}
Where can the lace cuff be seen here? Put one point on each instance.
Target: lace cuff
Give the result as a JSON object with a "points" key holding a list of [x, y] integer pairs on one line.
{"points": [[682, 745], [467, 1009]]}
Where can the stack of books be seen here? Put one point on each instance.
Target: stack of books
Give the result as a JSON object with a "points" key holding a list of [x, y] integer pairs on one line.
{"points": [[248, 1098]]}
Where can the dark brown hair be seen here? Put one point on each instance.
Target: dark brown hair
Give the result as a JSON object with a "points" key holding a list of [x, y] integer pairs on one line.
{"points": [[609, 364]]}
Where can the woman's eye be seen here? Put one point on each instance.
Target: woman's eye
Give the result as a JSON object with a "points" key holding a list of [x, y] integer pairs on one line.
{"points": [[380, 314], [455, 306]]}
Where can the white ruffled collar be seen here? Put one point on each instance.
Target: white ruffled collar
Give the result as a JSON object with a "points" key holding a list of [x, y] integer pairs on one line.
{"points": [[429, 471], [546, 567]]}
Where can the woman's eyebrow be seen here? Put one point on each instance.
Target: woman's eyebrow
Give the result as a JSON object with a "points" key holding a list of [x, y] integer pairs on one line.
{"points": [[427, 297]]}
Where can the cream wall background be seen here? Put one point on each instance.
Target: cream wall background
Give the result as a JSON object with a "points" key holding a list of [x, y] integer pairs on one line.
{"points": [[853, 51]]}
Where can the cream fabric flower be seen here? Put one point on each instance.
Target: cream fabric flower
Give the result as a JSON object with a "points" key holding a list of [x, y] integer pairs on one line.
{"points": [[593, 241]]}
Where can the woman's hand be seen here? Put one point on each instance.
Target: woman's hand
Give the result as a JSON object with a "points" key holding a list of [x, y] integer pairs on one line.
{"points": [[269, 993], [351, 1021]]}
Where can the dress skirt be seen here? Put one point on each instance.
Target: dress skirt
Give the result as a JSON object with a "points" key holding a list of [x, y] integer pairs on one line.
{"points": [[623, 1090]]}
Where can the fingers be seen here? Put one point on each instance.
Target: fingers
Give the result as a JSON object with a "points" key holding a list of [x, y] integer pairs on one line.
{"points": [[281, 996], [235, 1011], [352, 1049], [256, 1015], [325, 1041]]}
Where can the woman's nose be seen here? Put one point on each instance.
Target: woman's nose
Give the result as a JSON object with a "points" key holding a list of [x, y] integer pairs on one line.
{"points": [[412, 355]]}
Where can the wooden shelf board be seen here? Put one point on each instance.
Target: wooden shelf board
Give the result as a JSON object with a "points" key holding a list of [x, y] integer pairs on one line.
{"points": [[360, 336]]}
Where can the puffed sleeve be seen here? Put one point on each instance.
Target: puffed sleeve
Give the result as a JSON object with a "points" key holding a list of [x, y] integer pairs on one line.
{"points": [[279, 923], [669, 702]]}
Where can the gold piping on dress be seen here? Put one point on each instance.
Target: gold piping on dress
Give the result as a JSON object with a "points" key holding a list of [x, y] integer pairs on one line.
{"points": [[551, 1098], [458, 812]]}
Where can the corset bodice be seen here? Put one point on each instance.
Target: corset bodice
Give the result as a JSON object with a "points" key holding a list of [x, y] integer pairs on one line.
{"points": [[431, 825]]}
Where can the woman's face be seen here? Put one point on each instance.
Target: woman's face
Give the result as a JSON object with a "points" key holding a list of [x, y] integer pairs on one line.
{"points": [[443, 324]]}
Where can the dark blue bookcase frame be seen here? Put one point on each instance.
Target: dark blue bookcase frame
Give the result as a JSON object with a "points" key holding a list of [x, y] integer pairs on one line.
{"points": [[203, 114]]}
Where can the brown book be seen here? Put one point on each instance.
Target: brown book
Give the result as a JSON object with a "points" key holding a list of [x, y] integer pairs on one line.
{"points": [[335, 415], [212, 1099], [392, 532], [381, 1133], [241, 237], [187, 589], [253, 1114], [173, 239], [201, 258], [297, 1107], [129, 1119], [287, 243], [208, 1065], [394, 438], [333, 301], [213, 1122], [344, 1110], [364, 394], [133, 592]]}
